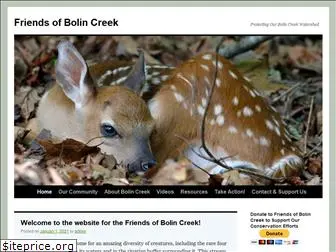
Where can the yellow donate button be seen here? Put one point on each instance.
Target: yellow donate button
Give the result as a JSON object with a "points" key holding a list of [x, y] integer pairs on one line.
{"points": [[274, 233]]}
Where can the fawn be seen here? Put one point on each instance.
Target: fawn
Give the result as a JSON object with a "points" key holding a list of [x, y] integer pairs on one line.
{"points": [[77, 108], [239, 126]]}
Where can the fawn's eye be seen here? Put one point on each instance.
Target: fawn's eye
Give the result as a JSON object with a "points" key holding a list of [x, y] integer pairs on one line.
{"points": [[107, 130]]}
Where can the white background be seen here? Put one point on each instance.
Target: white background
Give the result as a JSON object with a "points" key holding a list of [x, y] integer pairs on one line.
{"points": [[313, 236]]}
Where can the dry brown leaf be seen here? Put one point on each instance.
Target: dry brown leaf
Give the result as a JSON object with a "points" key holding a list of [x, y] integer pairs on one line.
{"points": [[234, 177], [295, 181], [100, 172], [95, 159], [55, 177], [119, 172], [215, 180], [171, 173], [27, 172], [316, 180], [69, 150], [27, 98], [315, 165], [259, 76], [303, 56], [109, 162], [20, 69], [116, 181], [32, 47], [200, 176], [19, 133]]}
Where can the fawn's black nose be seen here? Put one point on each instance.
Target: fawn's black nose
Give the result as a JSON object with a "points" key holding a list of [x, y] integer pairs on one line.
{"points": [[148, 164]]}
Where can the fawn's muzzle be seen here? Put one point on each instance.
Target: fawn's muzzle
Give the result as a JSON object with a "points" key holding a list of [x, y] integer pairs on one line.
{"points": [[144, 158]]}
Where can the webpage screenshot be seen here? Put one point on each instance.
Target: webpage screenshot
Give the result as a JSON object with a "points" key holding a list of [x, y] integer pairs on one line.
{"points": [[166, 129]]}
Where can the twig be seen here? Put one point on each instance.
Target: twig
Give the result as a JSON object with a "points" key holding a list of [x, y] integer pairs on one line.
{"points": [[202, 169], [193, 150], [86, 144], [94, 139], [203, 145], [308, 124], [244, 45], [286, 93], [315, 147]]}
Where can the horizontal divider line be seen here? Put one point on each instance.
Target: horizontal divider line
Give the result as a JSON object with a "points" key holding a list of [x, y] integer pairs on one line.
{"points": [[125, 211]]}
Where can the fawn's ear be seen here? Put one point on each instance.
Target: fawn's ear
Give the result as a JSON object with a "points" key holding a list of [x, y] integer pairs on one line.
{"points": [[137, 76], [72, 74]]}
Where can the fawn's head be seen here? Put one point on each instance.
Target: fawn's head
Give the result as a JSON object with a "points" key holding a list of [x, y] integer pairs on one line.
{"points": [[115, 114]]}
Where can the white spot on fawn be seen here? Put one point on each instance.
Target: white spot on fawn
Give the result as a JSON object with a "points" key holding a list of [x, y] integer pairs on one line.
{"points": [[293, 148], [218, 109], [277, 130], [164, 77], [235, 101], [247, 79], [219, 64], [247, 111], [276, 122], [103, 77], [124, 68], [154, 108], [252, 93], [204, 102], [173, 87], [246, 88], [286, 130], [207, 57], [206, 79], [178, 97], [193, 77], [263, 141], [220, 120], [233, 130], [206, 92], [159, 66], [282, 152], [218, 82], [205, 67], [257, 107], [120, 80], [238, 113], [269, 124], [212, 121], [288, 138], [233, 75], [249, 133], [156, 81], [200, 110], [283, 142]]}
